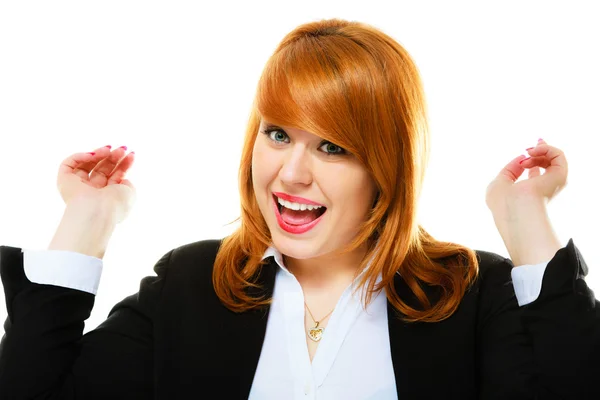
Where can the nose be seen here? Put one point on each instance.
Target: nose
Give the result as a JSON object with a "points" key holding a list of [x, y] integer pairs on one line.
{"points": [[296, 167]]}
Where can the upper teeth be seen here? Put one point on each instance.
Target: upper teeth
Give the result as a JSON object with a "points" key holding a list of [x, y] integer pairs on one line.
{"points": [[296, 206]]}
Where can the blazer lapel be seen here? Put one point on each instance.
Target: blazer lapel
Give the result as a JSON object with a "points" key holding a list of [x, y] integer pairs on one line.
{"points": [[253, 326], [398, 339], [410, 346]]}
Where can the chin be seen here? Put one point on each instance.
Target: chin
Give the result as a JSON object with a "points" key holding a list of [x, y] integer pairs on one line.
{"points": [[294, 248]]}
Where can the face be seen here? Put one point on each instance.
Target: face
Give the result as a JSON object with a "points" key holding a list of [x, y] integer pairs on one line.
{"points": [[294, 162]]}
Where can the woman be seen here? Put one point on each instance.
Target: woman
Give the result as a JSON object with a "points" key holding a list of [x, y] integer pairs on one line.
{"points": [[330, 288]]}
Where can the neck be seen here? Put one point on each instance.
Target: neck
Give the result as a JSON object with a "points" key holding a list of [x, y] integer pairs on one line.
{"points": [[327, 272]]}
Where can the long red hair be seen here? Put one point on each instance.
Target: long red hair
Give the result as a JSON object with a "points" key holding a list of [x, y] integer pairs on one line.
{"points": [[356, 87]]}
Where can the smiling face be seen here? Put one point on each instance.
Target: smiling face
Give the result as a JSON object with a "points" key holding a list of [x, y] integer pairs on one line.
{"points": [[298, 163]]}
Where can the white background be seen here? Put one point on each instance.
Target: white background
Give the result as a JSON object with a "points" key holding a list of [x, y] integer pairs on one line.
{"points": [[174, 82]]}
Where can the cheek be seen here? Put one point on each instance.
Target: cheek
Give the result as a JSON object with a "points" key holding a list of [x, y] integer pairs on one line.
{"points": [[263, 169], [355, 191]]}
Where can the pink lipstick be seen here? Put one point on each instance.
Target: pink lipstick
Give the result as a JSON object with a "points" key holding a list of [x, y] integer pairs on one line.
{"points": [[297, 229]]}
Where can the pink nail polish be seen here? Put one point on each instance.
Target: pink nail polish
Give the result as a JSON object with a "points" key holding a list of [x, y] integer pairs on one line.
{"points": [[109, 146], [529, 148], [123, 147], [540, 140], [525, 159], [92, 153]]}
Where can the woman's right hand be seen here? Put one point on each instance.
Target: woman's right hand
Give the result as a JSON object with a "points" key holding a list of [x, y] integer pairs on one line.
{"points": [[98, 179]]}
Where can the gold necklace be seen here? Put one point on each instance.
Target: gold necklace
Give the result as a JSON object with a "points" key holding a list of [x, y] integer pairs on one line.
{"points": [[315, 333]]}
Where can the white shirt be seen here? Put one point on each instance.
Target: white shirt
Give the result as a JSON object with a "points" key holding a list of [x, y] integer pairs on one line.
{"points": [[353, 359]]}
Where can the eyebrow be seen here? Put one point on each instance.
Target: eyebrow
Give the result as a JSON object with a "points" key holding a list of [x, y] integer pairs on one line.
{"points": [[268, 125]]}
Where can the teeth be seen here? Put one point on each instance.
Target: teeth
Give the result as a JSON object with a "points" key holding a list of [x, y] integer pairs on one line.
{"points": [[296, 206]]}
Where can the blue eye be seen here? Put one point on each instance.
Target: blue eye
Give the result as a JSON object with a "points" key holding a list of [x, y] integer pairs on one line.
{"points": [[330, 145], [268, 132], [282, 135]]}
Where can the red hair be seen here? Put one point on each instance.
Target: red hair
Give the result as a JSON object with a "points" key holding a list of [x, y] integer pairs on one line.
{"points": [[356, 87]]}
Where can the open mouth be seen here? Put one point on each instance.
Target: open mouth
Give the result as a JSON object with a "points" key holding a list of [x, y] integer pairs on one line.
{"points": [[319, 211]]}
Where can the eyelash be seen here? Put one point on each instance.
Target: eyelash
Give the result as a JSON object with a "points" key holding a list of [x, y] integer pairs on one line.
{"points": [[269, 130]]}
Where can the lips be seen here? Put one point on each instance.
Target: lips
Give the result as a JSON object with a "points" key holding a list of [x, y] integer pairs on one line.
{"points": [[294, 229]]}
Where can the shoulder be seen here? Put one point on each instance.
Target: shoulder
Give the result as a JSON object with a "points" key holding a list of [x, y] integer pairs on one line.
{"points": [[489, 260], [196, 256], [184, 272], [489, 264], [201, 250], [190, 258], [493, 267], [494, 281]]}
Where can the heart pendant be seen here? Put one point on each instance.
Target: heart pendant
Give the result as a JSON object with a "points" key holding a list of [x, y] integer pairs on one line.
{"points": [[315, 334]]}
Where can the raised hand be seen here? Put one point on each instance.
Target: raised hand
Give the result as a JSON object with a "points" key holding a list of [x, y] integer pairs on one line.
{"points": [[504, 190], [99, 179], [519, 208]]}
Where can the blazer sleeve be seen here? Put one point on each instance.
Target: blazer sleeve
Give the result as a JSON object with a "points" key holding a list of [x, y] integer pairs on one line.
{"points": [[547, 349], [44, 354]]}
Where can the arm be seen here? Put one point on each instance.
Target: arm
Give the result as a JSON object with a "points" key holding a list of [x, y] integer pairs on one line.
{"points": [[43, 353], [564, 320], [564, 326], [74, 256], [548, 349], [527, 231], [85, 228]]}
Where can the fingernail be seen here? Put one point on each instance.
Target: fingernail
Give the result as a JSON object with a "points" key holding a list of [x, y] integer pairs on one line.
{"points": [[133, 152], [540, 140], [123, 147], [525, 159], [529, 148], [109, 146], [92, 153]]}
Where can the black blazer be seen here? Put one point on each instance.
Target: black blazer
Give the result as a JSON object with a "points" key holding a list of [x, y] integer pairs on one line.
{"points": [[175, 340]]}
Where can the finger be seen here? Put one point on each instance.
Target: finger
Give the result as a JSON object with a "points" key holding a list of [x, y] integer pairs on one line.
{"points": [[540, 161], [81, 164], [512, 171], [555, 162], [554, 155], [102, 171], [121, 169]]}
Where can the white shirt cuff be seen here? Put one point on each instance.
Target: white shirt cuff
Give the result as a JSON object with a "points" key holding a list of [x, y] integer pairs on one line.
{"points": [[63, 268], [527, 281]]}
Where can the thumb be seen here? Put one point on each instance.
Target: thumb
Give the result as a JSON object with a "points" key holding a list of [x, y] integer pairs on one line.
{"points": [[512, 171], [505, 179]]}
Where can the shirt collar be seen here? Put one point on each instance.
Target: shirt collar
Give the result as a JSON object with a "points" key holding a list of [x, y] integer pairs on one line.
{"points": [[276, 254]]}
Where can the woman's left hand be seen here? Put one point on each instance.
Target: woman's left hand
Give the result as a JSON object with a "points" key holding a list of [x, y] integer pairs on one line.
{"points": [[504, 193], [519, 208]]}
